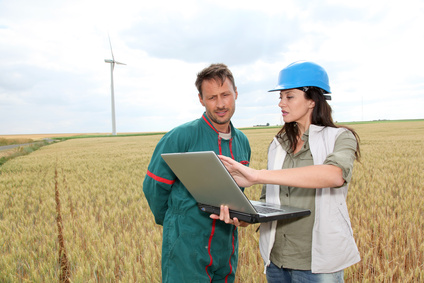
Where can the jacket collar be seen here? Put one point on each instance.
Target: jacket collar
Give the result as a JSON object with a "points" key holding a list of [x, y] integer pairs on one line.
{"points": [[209, 123]]}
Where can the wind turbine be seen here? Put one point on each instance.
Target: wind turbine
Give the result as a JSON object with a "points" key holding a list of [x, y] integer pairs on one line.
{"points": [[112, 66]]}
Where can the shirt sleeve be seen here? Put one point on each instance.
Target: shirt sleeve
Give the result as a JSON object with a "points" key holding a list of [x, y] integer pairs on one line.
{"points": [[159, 179], [343, 155]]}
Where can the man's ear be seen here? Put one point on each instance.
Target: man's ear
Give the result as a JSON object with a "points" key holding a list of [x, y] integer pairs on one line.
{"points": [[201, 99]]}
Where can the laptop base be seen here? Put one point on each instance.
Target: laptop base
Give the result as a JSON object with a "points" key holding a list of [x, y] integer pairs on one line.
{"points": [[255, 218]]}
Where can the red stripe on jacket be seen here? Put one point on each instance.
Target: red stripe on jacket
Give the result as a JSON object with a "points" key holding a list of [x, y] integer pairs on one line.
{"points": [[209, 249], [160, 179], [210, 125], [231, 267]]}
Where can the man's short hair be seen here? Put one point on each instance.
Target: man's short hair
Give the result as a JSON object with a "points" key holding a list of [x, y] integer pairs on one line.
{"points": [[218, 72]]}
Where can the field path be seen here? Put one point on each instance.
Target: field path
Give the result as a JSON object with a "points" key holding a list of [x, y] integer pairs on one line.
{"points": [[6, 147]]}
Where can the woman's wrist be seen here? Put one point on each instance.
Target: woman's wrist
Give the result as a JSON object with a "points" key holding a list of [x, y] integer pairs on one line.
{"points": [[259, 177]]}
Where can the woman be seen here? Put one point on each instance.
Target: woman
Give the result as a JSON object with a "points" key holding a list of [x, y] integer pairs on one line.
{"points": [[310, 164]]}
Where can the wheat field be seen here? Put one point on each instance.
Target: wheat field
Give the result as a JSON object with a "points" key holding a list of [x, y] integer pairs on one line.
{"points": [[74, 211]]}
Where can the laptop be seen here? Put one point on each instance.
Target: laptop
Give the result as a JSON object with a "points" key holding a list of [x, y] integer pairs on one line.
{"points": [[209, 182]]}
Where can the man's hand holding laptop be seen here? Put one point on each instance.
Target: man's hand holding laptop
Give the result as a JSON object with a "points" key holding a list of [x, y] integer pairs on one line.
{"points": [[224, 215]]}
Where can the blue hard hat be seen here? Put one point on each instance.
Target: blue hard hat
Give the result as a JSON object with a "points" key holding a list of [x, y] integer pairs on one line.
{"points": [[302, 74]]}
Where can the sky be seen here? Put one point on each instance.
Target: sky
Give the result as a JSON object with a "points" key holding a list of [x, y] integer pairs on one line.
{"points": [[53, 77]]}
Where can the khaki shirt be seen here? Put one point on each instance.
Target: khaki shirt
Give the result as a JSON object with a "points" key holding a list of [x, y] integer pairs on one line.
{"points": [[293, 240]]}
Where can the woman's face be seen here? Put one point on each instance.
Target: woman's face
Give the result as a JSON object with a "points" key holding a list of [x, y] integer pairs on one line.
{"points": [[295, 107]]}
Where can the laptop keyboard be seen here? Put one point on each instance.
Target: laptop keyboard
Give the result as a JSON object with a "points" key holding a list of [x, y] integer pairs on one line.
{"points": [[264, 209]]}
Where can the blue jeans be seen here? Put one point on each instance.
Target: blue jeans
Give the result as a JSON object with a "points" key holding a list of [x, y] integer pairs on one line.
{"points": [[274, 274]]}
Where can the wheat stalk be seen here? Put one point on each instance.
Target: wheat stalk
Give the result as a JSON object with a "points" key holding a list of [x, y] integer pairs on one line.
{"points": [[63, 260]]}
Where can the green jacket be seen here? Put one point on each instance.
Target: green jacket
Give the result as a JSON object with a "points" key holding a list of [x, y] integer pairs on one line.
{"points": [[195, 247]]}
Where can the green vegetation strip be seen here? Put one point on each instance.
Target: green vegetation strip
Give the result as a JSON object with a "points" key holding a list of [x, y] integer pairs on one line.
{"points": [[107, 136]]}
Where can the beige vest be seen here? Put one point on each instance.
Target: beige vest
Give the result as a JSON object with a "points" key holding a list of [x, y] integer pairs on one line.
{"points": [[333, 245]]}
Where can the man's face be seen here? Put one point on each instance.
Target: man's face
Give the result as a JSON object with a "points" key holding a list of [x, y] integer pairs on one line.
{"points": [[220, 103]]}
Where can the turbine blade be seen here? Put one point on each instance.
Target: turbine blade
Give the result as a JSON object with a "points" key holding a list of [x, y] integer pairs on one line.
{"points": [[119, 63], [110, 43]]}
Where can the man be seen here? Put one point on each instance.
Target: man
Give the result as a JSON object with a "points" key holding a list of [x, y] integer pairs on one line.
{"points": [[196, 248]]}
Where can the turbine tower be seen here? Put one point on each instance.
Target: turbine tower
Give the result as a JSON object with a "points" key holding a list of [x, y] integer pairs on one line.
{"points": [[112, 66]]}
